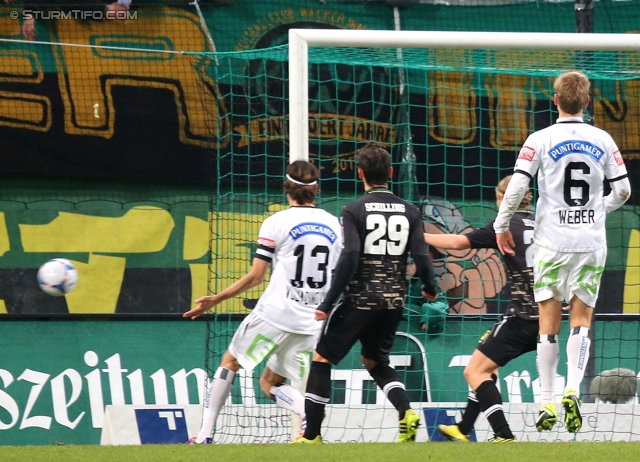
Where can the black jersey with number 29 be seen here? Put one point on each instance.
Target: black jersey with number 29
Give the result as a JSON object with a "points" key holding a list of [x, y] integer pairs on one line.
{"points": [[384, 229]]}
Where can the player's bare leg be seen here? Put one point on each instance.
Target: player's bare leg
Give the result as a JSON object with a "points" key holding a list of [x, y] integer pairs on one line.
{"points": [[548, 350], [480, 374], [577, 358]]}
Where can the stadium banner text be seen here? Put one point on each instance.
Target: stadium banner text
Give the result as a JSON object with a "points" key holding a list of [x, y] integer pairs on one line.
{"points": [[56, 390]]}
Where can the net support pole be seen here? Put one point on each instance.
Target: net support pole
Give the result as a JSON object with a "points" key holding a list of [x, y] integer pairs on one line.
{"points": [[584, 16], [298, 97], [206, 30], [584, 25]]}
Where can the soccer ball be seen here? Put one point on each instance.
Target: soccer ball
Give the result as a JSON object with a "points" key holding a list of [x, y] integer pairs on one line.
{"points": [[57, 277]]}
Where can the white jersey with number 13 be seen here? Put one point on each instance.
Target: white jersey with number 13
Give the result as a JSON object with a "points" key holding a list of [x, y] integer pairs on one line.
{"points": [[303, 244]]}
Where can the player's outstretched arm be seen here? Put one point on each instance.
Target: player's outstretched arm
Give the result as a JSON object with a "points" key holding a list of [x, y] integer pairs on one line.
{"points": [[448, 241], [253, 278]]}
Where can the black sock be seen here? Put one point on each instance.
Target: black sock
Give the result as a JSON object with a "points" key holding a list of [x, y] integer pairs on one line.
{"points": [[316, 397], [391, 384], [471, 413], [491, 404]]}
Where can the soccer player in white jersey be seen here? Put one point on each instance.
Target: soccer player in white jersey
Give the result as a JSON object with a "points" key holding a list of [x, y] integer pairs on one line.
{"points": [[572, 160], [302, 244]]}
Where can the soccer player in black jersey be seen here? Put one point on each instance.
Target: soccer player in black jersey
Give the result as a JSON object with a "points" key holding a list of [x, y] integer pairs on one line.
{"points": [[514, 335], [380, 230]]}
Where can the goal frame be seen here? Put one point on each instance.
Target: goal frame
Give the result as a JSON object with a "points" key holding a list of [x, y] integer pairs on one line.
{"points": [[298, 136], [301, 39]]}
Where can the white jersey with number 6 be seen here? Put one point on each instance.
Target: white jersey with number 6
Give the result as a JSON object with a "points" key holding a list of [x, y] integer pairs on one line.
{"points": [[572, 160], [303, 244]]}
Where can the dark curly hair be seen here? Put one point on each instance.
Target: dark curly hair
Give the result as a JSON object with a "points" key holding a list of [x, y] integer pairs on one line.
{"points": [[375, 162], [306, 173]]}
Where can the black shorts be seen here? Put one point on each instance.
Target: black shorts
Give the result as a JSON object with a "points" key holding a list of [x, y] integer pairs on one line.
{"points": [[508, 339], [376, 330]]}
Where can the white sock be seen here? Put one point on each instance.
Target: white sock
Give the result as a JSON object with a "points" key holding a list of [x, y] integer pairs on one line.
{"points": [[547, 361], [288, 398], [217, 393], [577, 356]]}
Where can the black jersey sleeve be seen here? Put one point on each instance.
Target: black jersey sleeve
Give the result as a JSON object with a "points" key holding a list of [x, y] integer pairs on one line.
{"points": [[348, 262], [417, 246], [424, 270], [346, 266], [350, 231], [483, 238], [418, 250]]}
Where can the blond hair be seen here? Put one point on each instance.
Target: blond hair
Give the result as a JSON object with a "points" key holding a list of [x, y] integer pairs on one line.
{"points": [[502, 188], [572, 90]]}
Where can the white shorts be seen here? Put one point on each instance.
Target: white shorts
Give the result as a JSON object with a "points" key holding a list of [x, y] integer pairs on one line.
{"points": [[288, 354], [561, 275]]}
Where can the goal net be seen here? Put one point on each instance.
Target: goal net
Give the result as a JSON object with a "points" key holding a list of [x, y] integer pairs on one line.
{"points": [[454, 110]]}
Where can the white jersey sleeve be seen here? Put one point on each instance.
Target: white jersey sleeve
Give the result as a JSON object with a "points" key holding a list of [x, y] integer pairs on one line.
{"points": [[267, 238], [516, 190], [616, 173], [527, 166], [528, 160]]}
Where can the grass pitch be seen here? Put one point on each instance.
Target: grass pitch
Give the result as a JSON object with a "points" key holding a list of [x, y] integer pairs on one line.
{"points": [[369, 452]]}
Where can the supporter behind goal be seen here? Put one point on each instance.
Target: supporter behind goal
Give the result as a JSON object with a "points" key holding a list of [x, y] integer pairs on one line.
{"points": [[615, 386]]}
